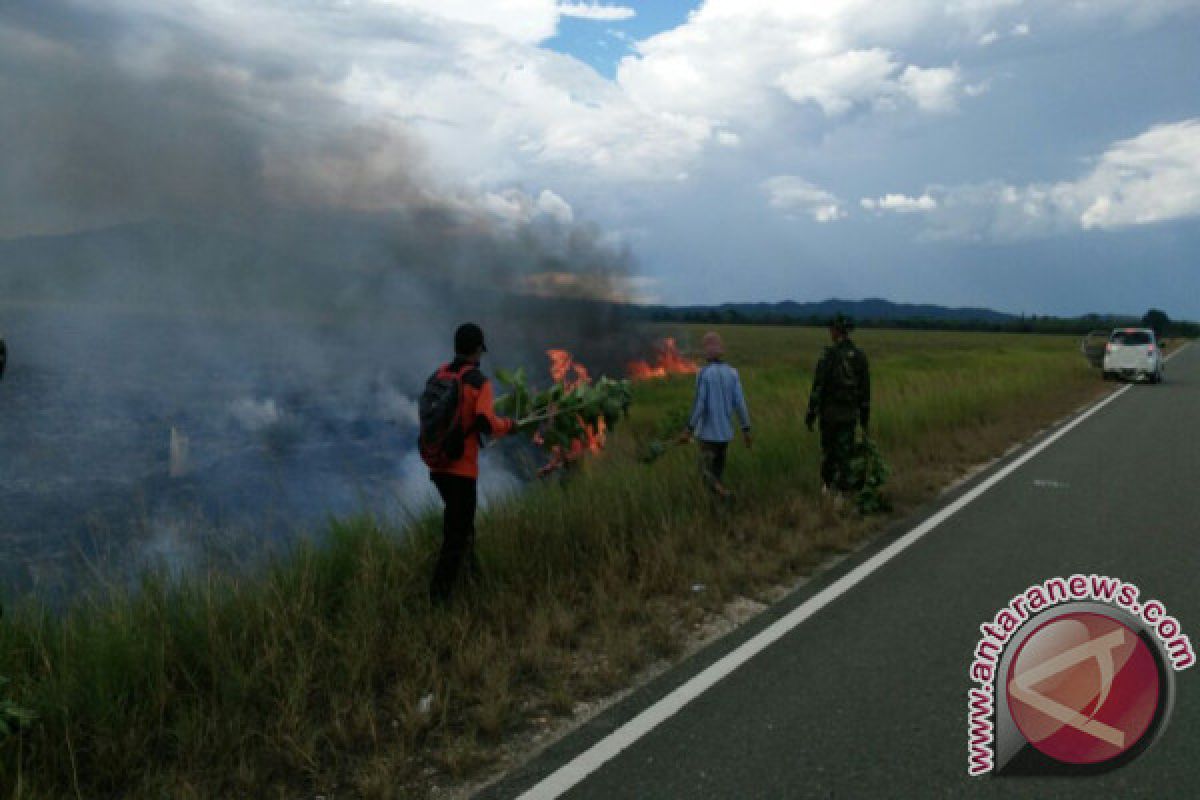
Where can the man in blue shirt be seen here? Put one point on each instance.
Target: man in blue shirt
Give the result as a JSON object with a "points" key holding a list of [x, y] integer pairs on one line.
{"points": [[718, 398]]}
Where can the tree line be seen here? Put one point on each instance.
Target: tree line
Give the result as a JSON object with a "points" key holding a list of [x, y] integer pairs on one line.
{"points": [[1033, 323]]}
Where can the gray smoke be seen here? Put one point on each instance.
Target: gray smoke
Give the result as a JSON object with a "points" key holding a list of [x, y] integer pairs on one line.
{"points": [[199, 234]]}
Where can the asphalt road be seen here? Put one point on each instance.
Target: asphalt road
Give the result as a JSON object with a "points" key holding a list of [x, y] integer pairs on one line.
{"points": [[867, 697]]}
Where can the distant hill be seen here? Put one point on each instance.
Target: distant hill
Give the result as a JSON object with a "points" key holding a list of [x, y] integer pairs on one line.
{"points": [[872, 308], [875, 312]]}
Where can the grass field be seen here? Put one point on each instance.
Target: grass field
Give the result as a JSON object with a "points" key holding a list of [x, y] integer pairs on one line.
{"points": [[309, 679]]}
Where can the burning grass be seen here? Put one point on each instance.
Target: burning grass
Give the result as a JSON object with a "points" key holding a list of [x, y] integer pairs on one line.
{"points": [[668, 361], [330, 674]]}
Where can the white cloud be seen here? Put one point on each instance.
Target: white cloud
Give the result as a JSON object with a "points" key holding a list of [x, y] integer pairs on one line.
{"points": [[1150, 178], [900, 203], [793, 195], [841, 81], [750, 61], [933, 89], [1153, 177], [469, 83], [514, 207], [991, 37], [522, 20], [596, 11], [555, 207]]}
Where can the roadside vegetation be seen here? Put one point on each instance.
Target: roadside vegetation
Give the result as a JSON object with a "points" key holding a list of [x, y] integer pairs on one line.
{"points": [[329, 674]]}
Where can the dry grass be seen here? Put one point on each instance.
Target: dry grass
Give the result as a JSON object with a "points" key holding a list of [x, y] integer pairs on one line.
{"points": [[330, 674]]}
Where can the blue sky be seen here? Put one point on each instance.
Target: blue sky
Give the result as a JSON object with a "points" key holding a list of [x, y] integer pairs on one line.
{"points": [[1027, 155], [601, 44]]}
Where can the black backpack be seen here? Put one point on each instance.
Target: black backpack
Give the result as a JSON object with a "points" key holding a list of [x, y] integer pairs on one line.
{"points": [[844, 376], [442, 439]]}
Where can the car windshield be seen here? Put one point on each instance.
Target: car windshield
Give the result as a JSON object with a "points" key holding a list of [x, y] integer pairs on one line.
{"points": [[1131, 337]]}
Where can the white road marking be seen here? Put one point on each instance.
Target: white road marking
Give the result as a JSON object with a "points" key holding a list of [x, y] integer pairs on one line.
{"points": [[569, 775]]}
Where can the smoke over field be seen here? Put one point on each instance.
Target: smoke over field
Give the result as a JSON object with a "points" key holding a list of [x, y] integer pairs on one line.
{"points": [[222, 285]]}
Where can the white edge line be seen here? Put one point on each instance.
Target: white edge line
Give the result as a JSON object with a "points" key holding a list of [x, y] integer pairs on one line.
{"points": [[572, 773]]}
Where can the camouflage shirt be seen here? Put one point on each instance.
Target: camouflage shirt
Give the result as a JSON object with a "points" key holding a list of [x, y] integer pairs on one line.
{"points": [[841, 388]]}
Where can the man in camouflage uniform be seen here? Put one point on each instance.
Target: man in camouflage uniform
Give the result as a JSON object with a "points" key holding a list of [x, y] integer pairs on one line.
{"points": [[840, 398]]}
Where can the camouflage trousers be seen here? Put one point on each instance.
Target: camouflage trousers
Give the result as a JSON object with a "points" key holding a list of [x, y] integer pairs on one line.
{"points": [[837, 450]]}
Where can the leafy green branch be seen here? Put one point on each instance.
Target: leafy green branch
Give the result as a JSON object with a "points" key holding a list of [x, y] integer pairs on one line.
{"points": [[562, 413], [666, 435], [871, 472]]}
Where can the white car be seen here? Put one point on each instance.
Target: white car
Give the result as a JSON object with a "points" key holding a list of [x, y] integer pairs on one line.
{"points": [[1133, 353]]}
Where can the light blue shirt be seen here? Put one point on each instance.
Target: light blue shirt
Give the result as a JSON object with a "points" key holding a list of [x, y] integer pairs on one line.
{"points": [[718, 398]]}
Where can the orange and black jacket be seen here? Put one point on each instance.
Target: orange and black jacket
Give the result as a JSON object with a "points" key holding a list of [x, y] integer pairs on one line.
{"points": [[478, 417]]}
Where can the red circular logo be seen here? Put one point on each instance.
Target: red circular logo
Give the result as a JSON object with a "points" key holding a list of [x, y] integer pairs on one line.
{"points": [[1083, 688]]}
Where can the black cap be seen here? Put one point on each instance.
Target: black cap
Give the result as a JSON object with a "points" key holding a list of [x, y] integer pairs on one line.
{"points": [[841, 322], [467, 338]]}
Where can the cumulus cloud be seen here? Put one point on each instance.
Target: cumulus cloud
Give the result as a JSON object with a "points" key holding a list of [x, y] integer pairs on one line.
{"points": [[793, 196], [935, 89], [555, 207], [1151, 178], [467, 88], [900, 203], [516, 208], [750, 61], [840, 82], [596, 11]]}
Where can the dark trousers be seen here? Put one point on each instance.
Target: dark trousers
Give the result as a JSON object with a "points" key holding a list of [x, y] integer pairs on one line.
{"points": [[458, 533], [837, 448], [712, 461]]}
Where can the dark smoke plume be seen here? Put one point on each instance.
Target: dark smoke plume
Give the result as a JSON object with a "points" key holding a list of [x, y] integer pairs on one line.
{"points": [[206, 251]]}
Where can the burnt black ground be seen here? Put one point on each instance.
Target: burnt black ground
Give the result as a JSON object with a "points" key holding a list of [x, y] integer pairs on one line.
{"points": [[868, 697]]}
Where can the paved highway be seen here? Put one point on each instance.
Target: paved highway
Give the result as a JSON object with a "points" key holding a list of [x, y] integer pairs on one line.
{"points": [[866, 696]]}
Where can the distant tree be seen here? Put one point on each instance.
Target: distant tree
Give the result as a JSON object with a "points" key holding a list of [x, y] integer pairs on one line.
{"points": [[1157, 321]]}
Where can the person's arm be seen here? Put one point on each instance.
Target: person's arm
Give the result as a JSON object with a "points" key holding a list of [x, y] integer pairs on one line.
{"points": [[486, 420]]}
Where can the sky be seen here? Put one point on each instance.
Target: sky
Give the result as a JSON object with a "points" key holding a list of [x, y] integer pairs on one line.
{"points": [[1035, 156]]}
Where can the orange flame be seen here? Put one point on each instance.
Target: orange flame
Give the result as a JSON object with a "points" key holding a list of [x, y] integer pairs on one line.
{"points": [[563, 364], [564, 369], [668, 361]]}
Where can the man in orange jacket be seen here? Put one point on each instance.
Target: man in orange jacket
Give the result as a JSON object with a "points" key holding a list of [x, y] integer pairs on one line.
{"points": [[456, 480]]}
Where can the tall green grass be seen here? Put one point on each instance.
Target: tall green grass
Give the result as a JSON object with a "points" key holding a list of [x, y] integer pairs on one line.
{"points": [[329, 673]]}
